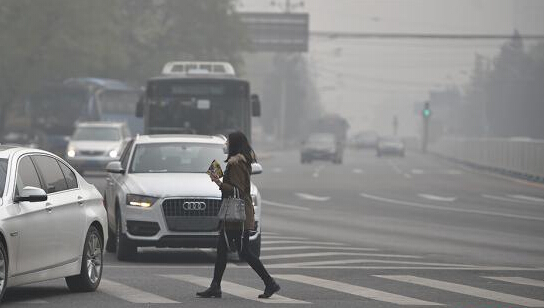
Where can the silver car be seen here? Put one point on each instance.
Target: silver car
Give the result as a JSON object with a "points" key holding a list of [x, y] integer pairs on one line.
{"points": [[52, 222], [94, 144], [159, 195]]}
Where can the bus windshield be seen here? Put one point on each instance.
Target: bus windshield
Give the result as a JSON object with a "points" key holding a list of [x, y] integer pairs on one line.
{"points": [[118, 102], [203, 107], [54, 110]]}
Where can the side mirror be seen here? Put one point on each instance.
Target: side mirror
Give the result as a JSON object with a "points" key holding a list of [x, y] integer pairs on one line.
{"points": [[255, 105], [31, 194], [256, 168], [140, 109], [114, 167]]}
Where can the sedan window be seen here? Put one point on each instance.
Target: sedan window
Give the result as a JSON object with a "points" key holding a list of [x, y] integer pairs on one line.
{"points": [[50, 170], [27, 174], [3, 173], [69, 175]]}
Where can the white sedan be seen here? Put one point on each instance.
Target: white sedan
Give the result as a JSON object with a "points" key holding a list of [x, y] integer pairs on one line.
{"points": [[52, 222]]}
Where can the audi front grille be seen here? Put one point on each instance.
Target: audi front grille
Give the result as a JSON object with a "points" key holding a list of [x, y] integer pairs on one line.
{"points": [[191, 214], [191, 207]]}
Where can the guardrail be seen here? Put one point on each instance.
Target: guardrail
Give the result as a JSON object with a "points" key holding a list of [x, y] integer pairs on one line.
{"points": [[518, 157]]}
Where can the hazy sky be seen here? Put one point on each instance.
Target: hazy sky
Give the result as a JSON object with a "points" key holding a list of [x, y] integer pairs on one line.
{"points": [[370, 80]]}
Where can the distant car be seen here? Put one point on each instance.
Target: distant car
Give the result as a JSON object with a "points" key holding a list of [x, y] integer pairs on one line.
{"points": [[321, 146], [366, 140], [53, 223], [390, 146], [159, 195], [94, 144]]}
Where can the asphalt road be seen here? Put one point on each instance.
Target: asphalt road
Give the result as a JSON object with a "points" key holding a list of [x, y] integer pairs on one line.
{"points": [[372, 232]]}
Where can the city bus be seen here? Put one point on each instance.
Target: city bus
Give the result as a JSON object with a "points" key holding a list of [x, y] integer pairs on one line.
{"points": [[198, 98], [55, 109]]}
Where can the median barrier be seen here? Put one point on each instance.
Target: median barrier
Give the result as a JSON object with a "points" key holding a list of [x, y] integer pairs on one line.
{"points": [[518, 157]]}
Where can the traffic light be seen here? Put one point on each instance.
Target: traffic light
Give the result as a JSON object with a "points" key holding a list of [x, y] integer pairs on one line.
{"points": [[426, 110]]}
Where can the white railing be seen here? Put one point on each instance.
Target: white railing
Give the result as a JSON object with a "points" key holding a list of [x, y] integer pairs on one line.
{"points": [[517, 156]]}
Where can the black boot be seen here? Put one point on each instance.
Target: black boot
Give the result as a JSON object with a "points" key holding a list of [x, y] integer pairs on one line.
{"points": [[213, 291], [271, 288]]}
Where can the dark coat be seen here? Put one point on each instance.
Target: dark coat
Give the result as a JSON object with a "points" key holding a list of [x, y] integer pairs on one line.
{"points": [[238, 173]]}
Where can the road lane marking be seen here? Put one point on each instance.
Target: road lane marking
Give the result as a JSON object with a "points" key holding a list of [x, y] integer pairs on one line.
{"points": [[408, 176], [437, 198], [356, 290], [355, 261], [280, 237], [520, 280], [269, 233], [316, 247], [286, 206], [336, 253], [527, 198], [499, 198], [451, 209], [466, 290], [29, 302], [237, 290], [454, 172], [312, 197], [301, 242], [317, 171], [277, 170], [131, 294], [358, 171], [417, 171]]}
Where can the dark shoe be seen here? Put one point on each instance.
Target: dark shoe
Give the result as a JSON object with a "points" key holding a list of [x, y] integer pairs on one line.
{"points": [[270, 289], [213, 291]]}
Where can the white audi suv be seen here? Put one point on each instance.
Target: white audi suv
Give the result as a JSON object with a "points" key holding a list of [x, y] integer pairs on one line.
{"points": [[52, 222], [159, 195]]}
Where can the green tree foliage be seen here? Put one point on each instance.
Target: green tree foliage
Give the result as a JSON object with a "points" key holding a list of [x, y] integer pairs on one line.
{"points": [[50, 40]]}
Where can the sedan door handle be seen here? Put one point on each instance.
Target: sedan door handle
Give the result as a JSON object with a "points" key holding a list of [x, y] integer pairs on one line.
{"points": [[80, 200], [48, 208]]}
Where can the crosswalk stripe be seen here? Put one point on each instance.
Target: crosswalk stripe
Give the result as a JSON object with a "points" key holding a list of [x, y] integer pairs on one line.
{"points": [[519, 280], [131, 294], [355, 261], [329, 254], [467, 290], [316, 247], [300, 242], [237, 290], [356, 290]]}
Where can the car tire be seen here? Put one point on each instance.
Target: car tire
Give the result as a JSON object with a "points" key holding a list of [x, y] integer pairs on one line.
{"points": [[91, 264], [3, 270], [126, 250]]}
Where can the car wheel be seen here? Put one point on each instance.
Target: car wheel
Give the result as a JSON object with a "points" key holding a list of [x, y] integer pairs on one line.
{"points": [[126, 250], [91, 264], [3, 270]]}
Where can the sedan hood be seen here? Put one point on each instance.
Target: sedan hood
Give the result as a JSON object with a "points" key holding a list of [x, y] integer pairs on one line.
{"points": [[172, 185], [94, 145]]}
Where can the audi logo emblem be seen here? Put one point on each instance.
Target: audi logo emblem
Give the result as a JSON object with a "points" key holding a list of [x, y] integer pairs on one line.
{"points": [[194, 206]]}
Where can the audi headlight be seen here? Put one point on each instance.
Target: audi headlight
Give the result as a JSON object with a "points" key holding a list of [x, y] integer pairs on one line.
{"points": [[254, 200], [140, 201], [113, 153], [71, 152]]}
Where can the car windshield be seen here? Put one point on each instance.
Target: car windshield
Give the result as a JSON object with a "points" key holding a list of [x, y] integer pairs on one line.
{"points": [[96, 134], [321, 139], [175, 158], [3, 172]]}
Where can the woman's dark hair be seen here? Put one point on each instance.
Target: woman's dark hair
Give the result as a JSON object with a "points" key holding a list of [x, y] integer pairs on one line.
{"points": [[238, 144]]}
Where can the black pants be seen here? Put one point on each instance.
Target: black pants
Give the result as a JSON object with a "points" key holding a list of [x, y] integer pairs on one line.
{"points": [[221, 260]]}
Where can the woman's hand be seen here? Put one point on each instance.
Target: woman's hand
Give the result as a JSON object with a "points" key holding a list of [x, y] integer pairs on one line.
{"points": [[215, 179]]}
